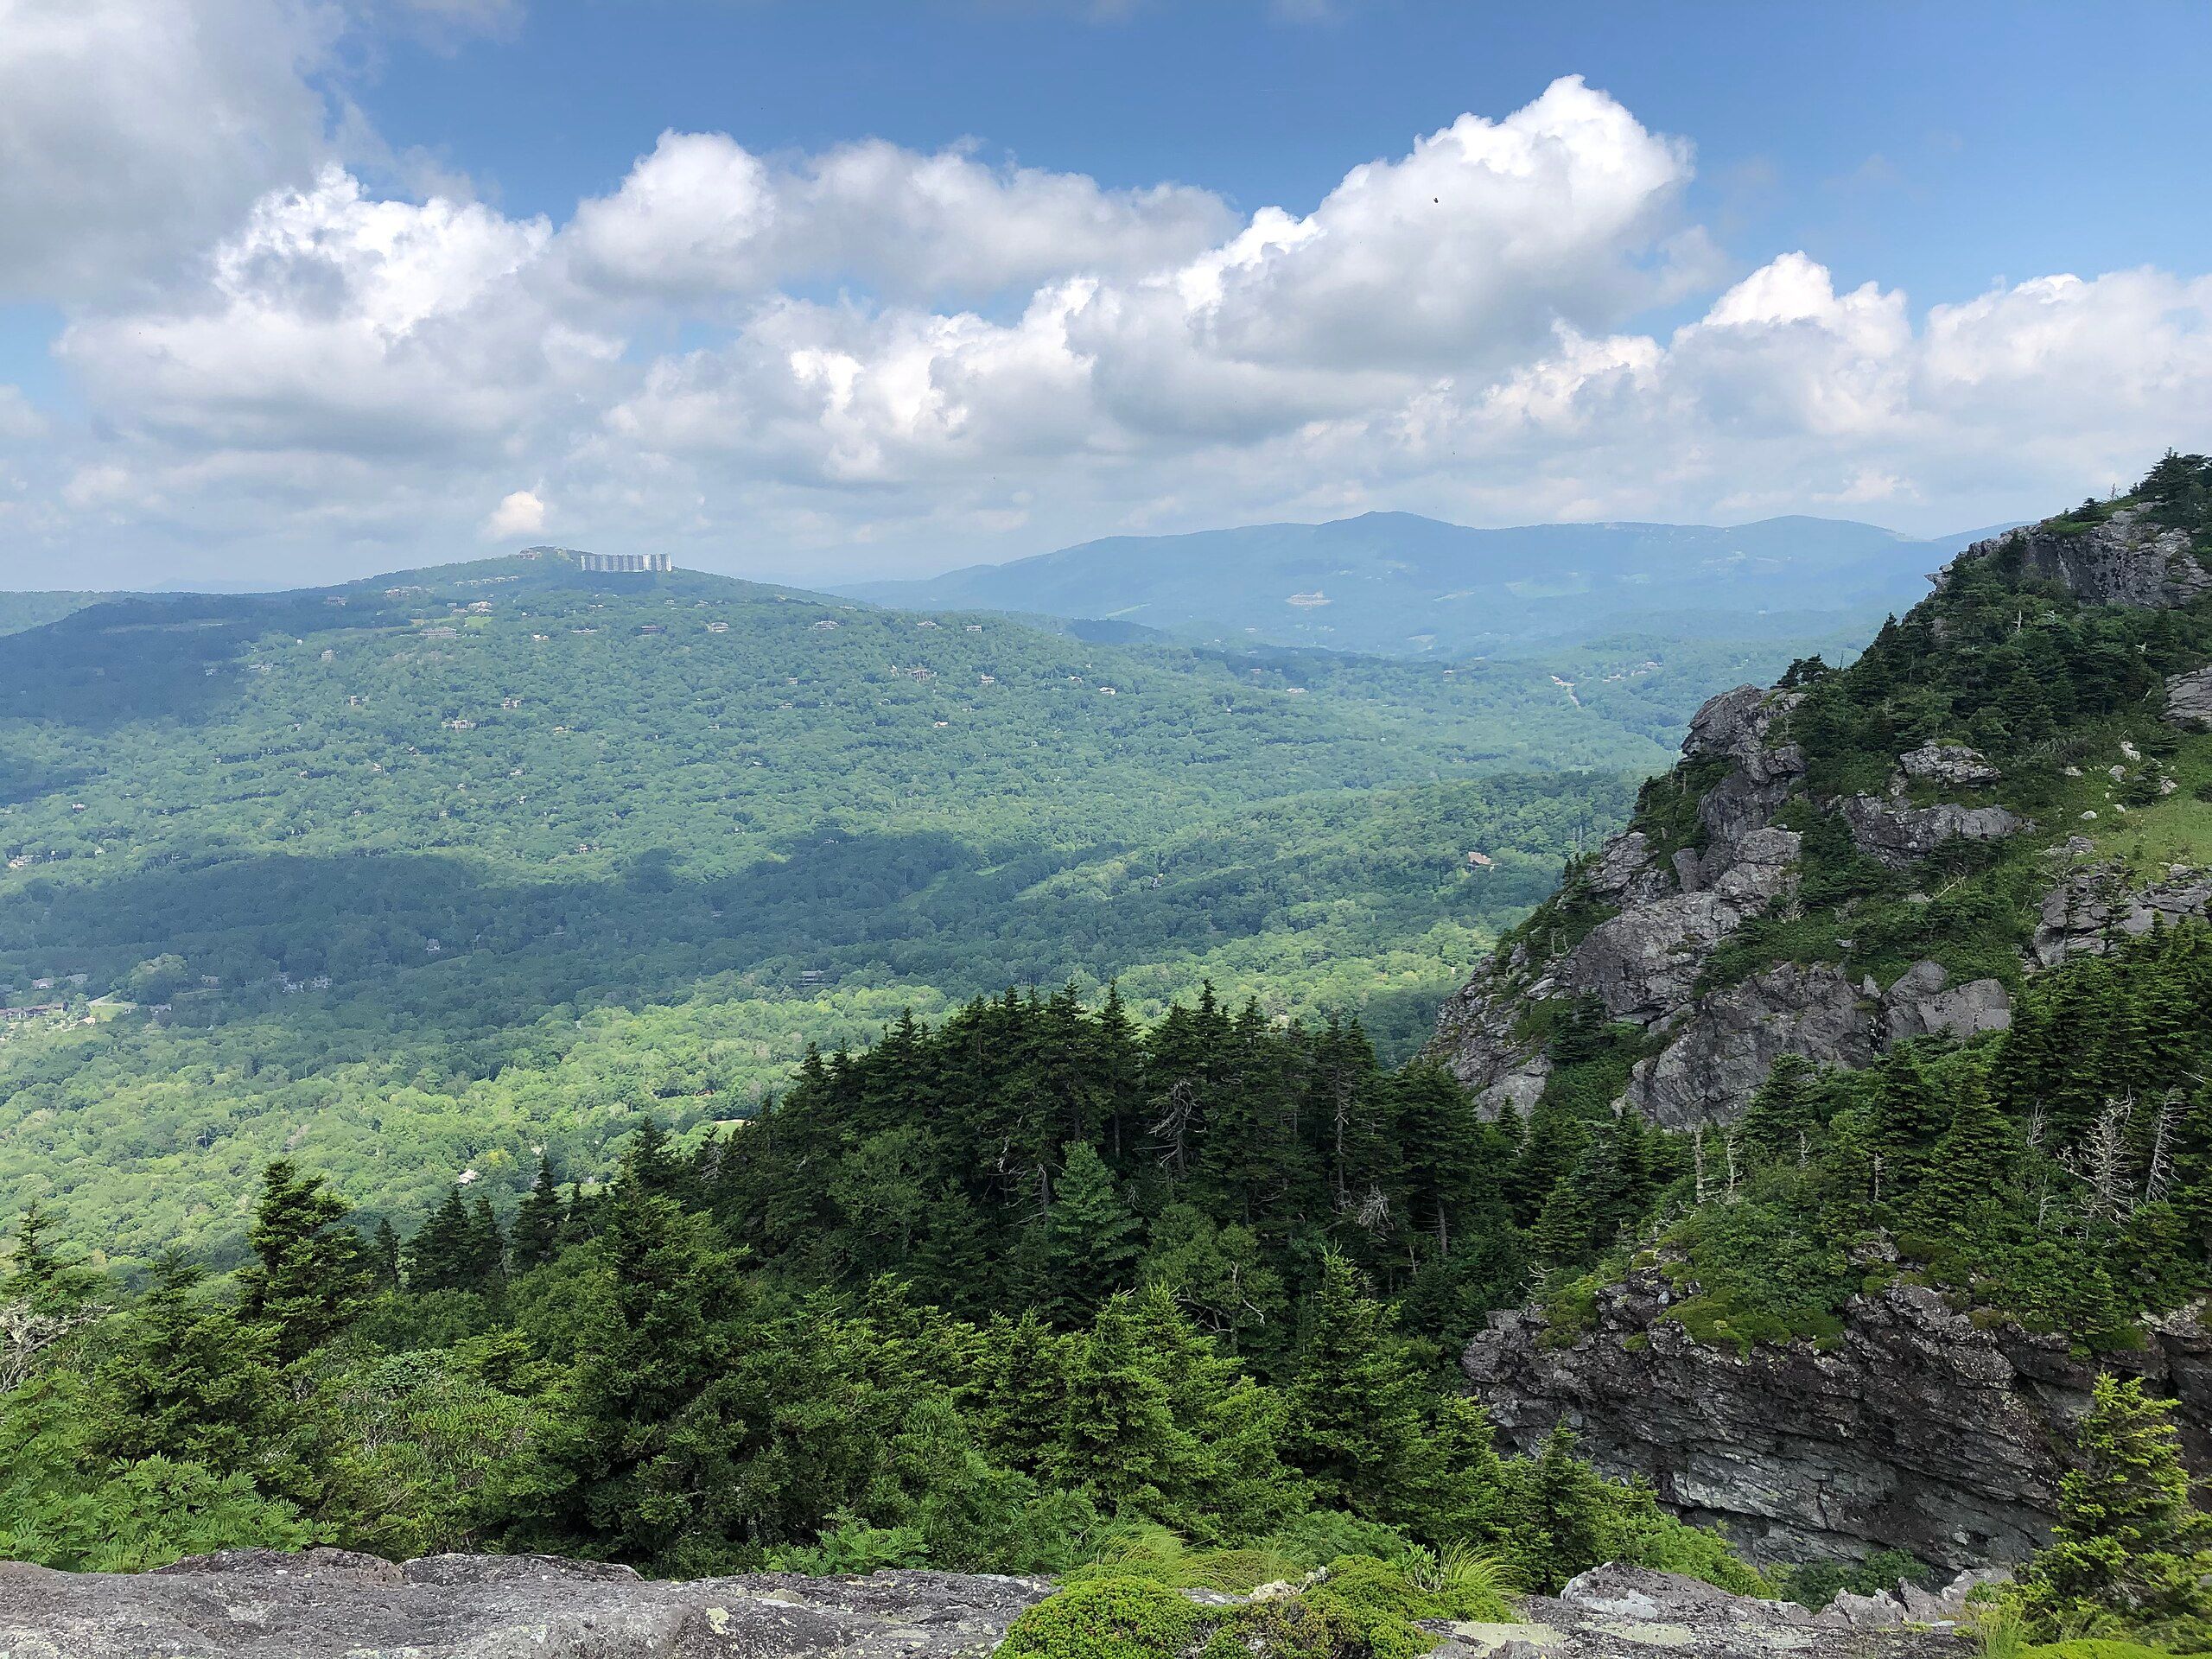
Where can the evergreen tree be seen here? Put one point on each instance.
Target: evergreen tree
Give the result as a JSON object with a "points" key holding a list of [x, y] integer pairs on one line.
{"points": [[186, 1381], [1783, 1113], [487, 1250], [535, 1237], [1092, 1241], [37, 1275], [440, 1256], [1355, 1406], [1975, 1163], [1119, 1441], [1909, 1116], [2127, 1535], [382, 1263], [307, 1278]]}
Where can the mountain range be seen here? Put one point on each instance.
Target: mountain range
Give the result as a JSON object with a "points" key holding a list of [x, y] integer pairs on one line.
{"points": [[1397, 583]]}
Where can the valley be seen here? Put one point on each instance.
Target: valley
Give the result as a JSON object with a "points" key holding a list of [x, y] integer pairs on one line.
{"points": [[428, 872]]}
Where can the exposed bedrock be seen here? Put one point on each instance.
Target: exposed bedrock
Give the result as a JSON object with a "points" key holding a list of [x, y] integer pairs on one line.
{"points": [[1916, 1430], [2127, 560], [329, 1604]]}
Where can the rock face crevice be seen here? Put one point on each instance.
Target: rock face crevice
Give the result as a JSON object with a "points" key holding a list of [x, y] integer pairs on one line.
{"points": [[1916, 1429]]}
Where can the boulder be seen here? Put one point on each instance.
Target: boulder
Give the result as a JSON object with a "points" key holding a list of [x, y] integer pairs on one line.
{"points": [[328, 1605], [2189, 698], [1615, 1612], [2093, 908], [1733, 1037], [1948, 763], [1924, 1003], [1898, 835]]}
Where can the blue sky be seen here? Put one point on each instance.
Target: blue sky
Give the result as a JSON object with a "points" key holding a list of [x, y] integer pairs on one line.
{"points": [[1938, 146], [303, 288]]}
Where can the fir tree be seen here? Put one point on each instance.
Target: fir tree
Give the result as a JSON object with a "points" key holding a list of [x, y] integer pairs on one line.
{"points": [[307, 1279], [382, 1262], [1355, 1406], [187, 1382], [1092, 1241], [535, 1237], [439, 1255], [1976, 1160], [2127, 1535], [1118, 1439]]}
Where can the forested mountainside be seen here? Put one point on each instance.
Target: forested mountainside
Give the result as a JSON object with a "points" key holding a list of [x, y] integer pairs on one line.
{"points": [[1396, 583], [417, 874], [22, 611]]}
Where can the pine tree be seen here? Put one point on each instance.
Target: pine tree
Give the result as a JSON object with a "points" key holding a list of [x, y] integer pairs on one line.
{"points": [[1355, 1406], [1561, 1237], [1092, 1240], [1909, 1116], [384, 1256], [2127, 1535], [1783, 1113], [438, 1257], [307, 1278], [535, 1237], [1976, 1160], [37, 1275], [1118, 1439], [1021, 1390], [487, 1250], [187, 1382]]}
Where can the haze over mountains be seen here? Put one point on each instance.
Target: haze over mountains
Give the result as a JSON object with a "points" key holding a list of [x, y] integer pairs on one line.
{"points": [[1398, 583]]}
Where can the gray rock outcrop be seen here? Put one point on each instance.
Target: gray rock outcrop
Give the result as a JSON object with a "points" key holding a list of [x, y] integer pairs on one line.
{"points": [[2093, 908], [1916, 1429], [1898, 835], [1923, 1002], [333, 1604], [2189, 698], [1735, 1036], [2127, 560], [1948, 763], [1633, 1612]]}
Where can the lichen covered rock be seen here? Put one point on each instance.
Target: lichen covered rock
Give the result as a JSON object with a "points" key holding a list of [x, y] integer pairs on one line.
{"points": [[333, 1604]]}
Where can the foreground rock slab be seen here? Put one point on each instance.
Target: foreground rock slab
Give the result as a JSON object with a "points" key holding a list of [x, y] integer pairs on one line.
{"points": [[1632, 1613], [333, 1605]]}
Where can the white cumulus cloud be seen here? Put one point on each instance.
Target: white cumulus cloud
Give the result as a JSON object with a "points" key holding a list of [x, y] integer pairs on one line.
{"points": [[895, 355], [520, 513]]}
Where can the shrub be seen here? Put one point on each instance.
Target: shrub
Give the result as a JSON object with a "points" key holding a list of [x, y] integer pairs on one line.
{"points": [[1107, 1619]]}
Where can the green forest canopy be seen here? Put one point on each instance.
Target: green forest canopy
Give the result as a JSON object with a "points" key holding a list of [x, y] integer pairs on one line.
{"points": [[437, 869]]}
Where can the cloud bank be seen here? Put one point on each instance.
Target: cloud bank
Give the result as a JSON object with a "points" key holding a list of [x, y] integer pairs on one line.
{"points": [[909, 358]]}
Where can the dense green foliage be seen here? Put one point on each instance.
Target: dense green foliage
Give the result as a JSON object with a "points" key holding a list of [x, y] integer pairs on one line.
{"points": [[611, 843], [616, 1378]]}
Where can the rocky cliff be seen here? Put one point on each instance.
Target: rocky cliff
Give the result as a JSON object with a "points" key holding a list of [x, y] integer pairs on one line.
{"points": [[1917, 1428], [1636, 929], [1665, 912], [1728, 926]]}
